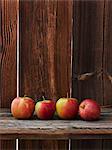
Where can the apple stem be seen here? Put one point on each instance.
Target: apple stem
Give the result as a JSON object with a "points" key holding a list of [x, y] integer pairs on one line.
{"points": [[82, 106], [43, 97], [67, 94]]}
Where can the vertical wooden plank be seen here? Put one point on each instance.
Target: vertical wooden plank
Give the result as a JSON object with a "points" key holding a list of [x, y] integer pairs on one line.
{"points": [[29, 145], [37, 59], [107, 145], [43, 145], [7, 145], [63, 47], [45, 37], [88, 56], [107, 61], [86, 145], [8, 52], [88, 48], [8, 18]]}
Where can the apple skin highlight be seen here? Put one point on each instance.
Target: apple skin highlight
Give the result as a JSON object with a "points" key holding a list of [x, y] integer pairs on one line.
{"points": [[67, 108], [45, 109], [22, 107]]}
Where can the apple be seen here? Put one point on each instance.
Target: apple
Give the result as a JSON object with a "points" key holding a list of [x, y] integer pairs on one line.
{"points": [[67, 108], [45, 109], [22, 107], [89, 110]]}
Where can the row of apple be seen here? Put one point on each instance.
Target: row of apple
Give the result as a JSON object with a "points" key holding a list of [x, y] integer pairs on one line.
{"points": [[65, 108]]}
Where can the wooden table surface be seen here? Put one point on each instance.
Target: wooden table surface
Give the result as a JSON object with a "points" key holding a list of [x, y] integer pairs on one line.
{"points": [[55, 129]]}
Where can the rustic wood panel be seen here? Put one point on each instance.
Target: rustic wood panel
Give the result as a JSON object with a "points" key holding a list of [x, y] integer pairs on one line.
{"points": [[7, 145], [37, 53], [56, 129], [88, 56], [88, 49], [8, 24], [63, 48], [44, 145], [8, 18], [107, 59], [107, 144], [45, 37], [86, 145], [48, 36]]}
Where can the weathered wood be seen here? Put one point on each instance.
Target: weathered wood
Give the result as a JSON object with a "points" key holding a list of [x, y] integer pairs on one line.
{"points": [[87, 55], [107, 144], [107, 61], [28, 144], [63, 48], [45, 35], [8, 22], [56, 129], [7, 145], [88, 49], [44, 145], [90, 144], [38, 21], [49, 37]]}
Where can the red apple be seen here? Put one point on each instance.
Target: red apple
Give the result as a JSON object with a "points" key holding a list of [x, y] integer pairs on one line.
{"points": [[45, 109], [22, 107], [67, 108], [89, 110]]}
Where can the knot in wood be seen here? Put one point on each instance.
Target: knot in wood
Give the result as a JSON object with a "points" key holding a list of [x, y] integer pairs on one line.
{"points": [[84, 76]]}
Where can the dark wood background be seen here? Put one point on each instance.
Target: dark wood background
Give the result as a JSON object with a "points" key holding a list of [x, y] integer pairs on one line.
{"points": [[60, 43]]}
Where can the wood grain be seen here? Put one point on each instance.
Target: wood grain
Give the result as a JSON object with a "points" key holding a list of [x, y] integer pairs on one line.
{"points": [[8, 18], [63, 53], [45, 35], [88, 49], [88, 33], [44, 145], [8, 52], [107, 61], [90, 144], [44, 56], [37, 60], [56, 129], [107, 144], [7, 145]]}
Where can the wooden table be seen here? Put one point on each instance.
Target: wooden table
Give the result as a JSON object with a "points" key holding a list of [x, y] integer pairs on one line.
{"points": [[55, 129]]}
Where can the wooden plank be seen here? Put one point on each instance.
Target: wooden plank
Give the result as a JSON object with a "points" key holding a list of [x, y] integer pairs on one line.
{"points": [[8, 18], [63, 48], [36, 57], [7, 144], [88, 48], [8, 52], [56, 129], [45, 36], [87, 56], [28, 144], [44, 145], [107, 61], [86, 145], [65, 138], [107, 144]]}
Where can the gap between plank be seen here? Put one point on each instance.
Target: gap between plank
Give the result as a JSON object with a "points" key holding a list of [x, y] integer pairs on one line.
{"points": [[18, 51], [18, 48]]}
